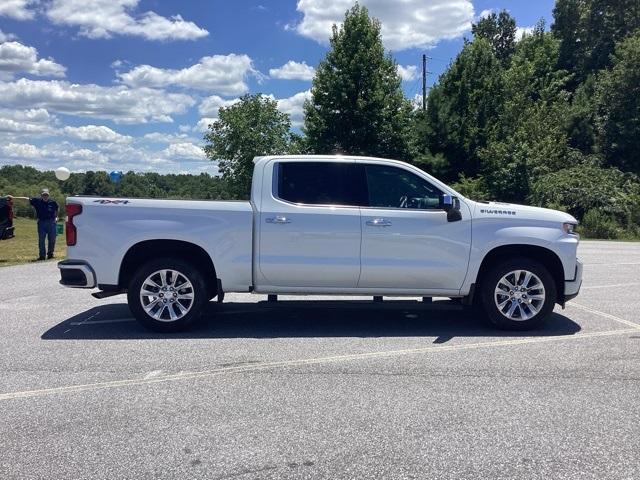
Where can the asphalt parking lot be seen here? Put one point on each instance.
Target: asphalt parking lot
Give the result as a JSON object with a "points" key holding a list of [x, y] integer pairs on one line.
{"points": [[311, 389]]}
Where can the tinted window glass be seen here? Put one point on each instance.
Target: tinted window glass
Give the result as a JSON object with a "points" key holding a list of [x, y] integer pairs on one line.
{"points": [[321, 183], [391, 187]]}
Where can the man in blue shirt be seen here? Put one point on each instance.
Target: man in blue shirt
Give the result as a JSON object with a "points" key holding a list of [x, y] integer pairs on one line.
{"points": [[47, 213]]}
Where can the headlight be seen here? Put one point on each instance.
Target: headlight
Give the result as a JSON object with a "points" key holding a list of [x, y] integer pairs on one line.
{"points": [[569, 228]]}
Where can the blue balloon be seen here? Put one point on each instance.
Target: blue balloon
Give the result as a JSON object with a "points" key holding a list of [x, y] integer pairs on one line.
{"points": [[115, 176]]}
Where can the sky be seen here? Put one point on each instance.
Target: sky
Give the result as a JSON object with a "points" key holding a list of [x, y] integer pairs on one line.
{"points": [[132, 84]]}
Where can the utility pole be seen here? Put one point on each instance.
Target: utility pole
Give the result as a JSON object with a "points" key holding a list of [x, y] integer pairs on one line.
{"points": [[424, 82]]}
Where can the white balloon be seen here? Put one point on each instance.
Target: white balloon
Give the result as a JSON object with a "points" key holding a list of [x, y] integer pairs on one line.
{"points": [[62, 173]]}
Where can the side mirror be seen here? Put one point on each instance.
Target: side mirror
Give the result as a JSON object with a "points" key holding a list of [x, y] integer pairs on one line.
{"points": [[451, 205]]}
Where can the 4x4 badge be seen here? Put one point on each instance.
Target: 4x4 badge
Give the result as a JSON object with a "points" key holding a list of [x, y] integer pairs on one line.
{"points": [[115, 202]]}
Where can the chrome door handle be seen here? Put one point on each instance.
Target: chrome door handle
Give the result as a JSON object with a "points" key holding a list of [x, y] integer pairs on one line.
{"points": [[379, 222], [278, 219]]}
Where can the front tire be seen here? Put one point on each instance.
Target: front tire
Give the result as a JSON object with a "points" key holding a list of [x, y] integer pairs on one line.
{"points": [[518, 294], [167, 294]]}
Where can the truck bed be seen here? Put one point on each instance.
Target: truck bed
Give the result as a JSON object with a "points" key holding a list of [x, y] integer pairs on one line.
{"points": [[108, 228]]}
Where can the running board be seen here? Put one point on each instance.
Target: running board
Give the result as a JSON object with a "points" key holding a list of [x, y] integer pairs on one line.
{"points": [[106, 293]]}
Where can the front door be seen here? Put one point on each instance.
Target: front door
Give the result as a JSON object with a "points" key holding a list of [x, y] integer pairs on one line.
{"points": [[309, 225], [407, 242]]}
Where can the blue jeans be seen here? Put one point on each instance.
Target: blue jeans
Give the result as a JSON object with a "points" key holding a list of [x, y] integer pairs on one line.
{"points": [[46, 228]]}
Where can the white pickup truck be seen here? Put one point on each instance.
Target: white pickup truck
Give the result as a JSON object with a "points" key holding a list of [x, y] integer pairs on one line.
{"points": [[324, 225]]}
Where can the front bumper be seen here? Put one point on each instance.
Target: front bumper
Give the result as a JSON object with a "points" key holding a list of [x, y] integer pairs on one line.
{"points": [[572, 287], [76, 274]]}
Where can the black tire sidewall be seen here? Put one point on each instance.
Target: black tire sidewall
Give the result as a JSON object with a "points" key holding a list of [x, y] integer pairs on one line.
{"points": [[490, 281], [196, 278]]}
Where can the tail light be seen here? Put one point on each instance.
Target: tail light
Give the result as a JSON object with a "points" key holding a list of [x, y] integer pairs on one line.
{"points": [[73, 209]]}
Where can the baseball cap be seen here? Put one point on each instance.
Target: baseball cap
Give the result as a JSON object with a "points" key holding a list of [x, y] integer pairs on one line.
{"points": [[44, 191]]}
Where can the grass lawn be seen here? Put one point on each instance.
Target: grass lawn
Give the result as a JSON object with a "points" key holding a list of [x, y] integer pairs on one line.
{"points": [[23, 248]]}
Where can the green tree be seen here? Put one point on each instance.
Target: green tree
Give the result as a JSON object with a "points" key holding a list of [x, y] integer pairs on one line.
{"points": [[357, 104], [97, 183], [500, 31], [249, 128], [618, 116], [589, 30], [27, 181], [582, 188], [570, 29], [581, 122], [530, 139], [462, 110]]}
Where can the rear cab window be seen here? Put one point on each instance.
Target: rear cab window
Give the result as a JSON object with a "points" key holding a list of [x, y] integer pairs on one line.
{"points": [[320, 183]]}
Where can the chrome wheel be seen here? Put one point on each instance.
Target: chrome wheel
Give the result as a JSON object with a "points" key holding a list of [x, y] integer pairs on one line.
{"points": [[166, 295], [519, 295]]}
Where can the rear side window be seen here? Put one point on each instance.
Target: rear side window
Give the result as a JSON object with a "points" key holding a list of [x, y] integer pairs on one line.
{"points": [[391, 187], [321, 183]]}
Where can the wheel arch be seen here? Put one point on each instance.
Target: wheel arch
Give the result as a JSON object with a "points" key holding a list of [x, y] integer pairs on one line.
{"points": [[545, 256], [146, 250]]}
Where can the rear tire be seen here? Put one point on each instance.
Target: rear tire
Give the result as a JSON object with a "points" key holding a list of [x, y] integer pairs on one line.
{"points": [[518, 294], [167, 294]]}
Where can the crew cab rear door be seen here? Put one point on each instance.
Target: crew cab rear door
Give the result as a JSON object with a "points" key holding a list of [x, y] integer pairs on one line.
{"points": [[407, 242], [309, 225]]}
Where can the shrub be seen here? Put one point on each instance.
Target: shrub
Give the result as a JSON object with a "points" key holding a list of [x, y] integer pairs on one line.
{"points": [[598, 224], [473, 188], [587, 187]]}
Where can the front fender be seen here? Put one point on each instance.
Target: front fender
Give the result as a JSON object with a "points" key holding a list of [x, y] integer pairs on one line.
{"points": [[489, 234]]}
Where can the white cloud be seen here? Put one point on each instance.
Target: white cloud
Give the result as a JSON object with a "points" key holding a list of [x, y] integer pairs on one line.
{"points": [[416, 101], [184, 151], [522, 31], [96, 133], [18, 58], [25, 122], [69, 154], [211, 105], [293, 71], [408, 72], [5, 37], [179, 156], [16, 9], [224, 74], [293, 106], [54, 153], [104, 18], [484, 14], [183, 157], [167, 138], [19, 150], [203, 124], [119, 103], [405, 24]]}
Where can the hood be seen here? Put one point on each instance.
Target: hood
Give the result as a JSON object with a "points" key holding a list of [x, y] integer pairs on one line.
{"points": [[514, 211]]}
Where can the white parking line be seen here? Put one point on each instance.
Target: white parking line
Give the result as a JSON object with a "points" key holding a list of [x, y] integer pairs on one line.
{"points": [[611, 286], [307, 361], [607, 263], [604, 314]]}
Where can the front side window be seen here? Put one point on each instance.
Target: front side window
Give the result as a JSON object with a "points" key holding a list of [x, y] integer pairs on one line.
{"points": [[320, 183], [392, 187]]}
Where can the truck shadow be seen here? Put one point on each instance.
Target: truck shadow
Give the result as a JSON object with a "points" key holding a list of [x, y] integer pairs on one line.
{"points": [[443, 320]]}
